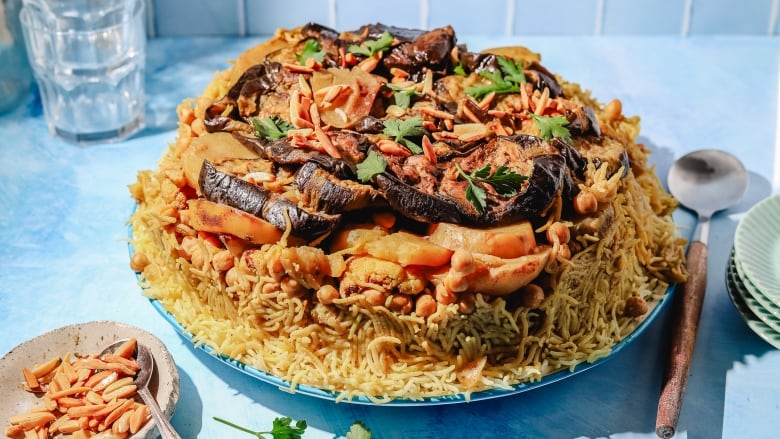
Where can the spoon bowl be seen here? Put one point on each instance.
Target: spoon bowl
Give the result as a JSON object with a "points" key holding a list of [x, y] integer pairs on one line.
{"points": [[145, 361]]}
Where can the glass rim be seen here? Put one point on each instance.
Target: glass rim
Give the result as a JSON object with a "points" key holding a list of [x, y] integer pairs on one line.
{"points": [[28, 21]]}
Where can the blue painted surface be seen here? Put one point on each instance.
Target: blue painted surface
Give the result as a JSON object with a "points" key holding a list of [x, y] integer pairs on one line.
{"points": [[731, 17], [555, 17], [657, 17], [64, 258], [263, 18], [489, 17], [351, 14]]}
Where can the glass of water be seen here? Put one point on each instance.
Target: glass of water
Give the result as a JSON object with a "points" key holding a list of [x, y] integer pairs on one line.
{"points": [[88, 58]]}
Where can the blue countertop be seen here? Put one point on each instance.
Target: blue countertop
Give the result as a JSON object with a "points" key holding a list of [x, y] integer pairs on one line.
{"points": [[64, 257]]}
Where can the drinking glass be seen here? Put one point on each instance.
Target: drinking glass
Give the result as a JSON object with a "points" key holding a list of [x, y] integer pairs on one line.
{"points": [[88, 59]]}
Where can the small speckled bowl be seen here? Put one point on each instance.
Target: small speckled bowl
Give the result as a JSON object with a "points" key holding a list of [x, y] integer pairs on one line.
{"points": [[84, 339]]}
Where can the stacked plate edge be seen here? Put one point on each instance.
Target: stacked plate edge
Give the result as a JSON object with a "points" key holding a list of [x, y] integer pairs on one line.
{"points": [[753, 269]]}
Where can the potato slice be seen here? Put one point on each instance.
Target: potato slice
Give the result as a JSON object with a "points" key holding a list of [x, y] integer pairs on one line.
{"points": [[207, 216], [507, 242], [214, 147], [408, 249]]}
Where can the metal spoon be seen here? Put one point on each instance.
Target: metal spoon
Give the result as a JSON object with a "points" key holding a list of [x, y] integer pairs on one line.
{"points": [[145, 360], [706, 182]]}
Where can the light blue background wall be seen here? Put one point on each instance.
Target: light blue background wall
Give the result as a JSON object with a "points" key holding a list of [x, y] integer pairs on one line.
{"points": [[169, 18]]}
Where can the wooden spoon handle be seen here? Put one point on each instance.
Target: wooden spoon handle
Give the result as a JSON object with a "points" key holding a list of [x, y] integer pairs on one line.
{"points": [[683, 341]]}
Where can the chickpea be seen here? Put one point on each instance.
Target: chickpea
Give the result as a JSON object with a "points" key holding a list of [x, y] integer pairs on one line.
{"points": [[401, 303], [558, 232], [198, 258], [270, 287], [138, 262], [613, 109], [188, 245], [375, 297], [198, 127], [467, 303], [291, 286], [231, 277], [444, 295], [326, 294], [585, 203], [532, 296], [223, 261], [635, 306], [425, 305], [276, 268]]}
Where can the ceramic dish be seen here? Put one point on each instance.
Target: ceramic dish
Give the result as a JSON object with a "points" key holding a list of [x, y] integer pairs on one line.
{"points": [[762, 307], [757, 247], [734, 286], [84, 338]]}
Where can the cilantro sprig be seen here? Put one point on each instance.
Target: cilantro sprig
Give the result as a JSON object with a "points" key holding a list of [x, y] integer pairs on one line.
{"points": [[550, 127], [372, 165], [506, 79], [311, 49], [505, 182], [403, 96], [371, 47], [271, 128], [358, 430], [401, 129], [282, 429]]}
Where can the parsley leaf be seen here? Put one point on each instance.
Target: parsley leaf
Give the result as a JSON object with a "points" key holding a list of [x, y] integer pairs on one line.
{"points": [[505, 182], [358, 430], [311, 49], [282, 429], [400, 130], [373, 164], [459, 70], [512, 70], [271, 128], [550, 127], [403, 96], [371, 47], [505, 79]]}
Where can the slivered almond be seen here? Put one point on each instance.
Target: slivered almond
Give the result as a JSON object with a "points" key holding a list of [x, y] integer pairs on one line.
{"points": [[100, 380], [30, 379], [428, 151], [131, 364], [118, 384], [69, 426], [138, 418], [296, 68], [85, 410], [320, 134], [391, 147], [127, 348], [122, 392], [436, 113], [369, 64], [115, 414], [469, 132], [484, 104], [304, 86], [69, 392], [41, 370], [32, 419]]}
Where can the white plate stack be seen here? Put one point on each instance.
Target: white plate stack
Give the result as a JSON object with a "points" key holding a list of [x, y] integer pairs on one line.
{"points": [[753, 270]]}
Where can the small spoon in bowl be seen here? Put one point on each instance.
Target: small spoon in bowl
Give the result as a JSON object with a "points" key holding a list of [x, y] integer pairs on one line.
{"points": [[146, 363], [705, 181]]}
